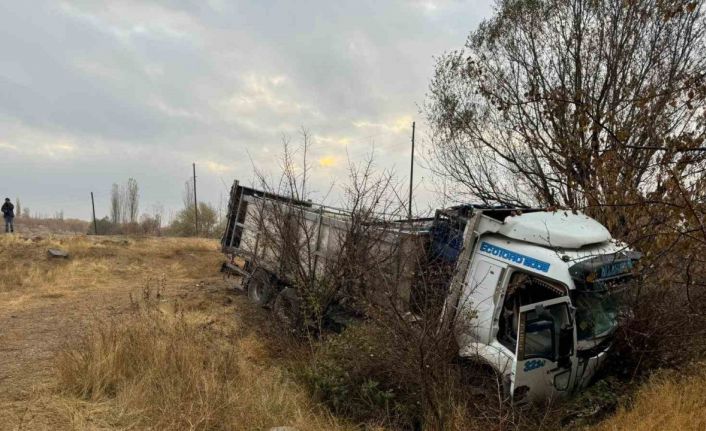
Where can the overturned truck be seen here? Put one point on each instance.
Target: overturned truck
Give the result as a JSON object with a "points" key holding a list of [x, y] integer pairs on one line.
{"points": [[532, 294]]}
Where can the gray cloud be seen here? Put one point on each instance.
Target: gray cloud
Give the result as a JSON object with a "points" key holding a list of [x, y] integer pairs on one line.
{"points": [[92, 93]]}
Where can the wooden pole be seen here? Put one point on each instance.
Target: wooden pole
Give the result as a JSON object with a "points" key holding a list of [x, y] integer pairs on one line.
{"points": [[411, 176], [196, 204], [95, 224]]}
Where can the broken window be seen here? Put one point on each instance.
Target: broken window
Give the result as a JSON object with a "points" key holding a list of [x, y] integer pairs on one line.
{"points": [[523, 289]]}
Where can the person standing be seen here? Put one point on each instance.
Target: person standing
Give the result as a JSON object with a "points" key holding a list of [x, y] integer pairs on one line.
{"points": [[8, 213]]}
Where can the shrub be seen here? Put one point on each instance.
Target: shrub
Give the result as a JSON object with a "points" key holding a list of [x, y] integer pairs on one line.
{"points": [[354, 373], [371, 373], [184, 223]]}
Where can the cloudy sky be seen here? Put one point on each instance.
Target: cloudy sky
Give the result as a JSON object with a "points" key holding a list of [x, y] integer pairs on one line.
{"points": [[92, 93]]}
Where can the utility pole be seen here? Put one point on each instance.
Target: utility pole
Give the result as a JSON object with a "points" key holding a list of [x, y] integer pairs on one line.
{"points": [[411, 176], [95, 224], [196, 203]]}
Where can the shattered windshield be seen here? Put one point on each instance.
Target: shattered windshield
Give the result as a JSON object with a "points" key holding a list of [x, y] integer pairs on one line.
{"points": [[596, 313], [601, 283]]}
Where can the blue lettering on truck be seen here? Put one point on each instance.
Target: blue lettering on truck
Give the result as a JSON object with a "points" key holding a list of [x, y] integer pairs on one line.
{"points": [[518, 258]]}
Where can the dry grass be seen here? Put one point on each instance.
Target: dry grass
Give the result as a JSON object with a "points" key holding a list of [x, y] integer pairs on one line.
{"points": [[669, 401], [83, 347], [167, 370], [77, 353], [45, 226], [94, 261]]}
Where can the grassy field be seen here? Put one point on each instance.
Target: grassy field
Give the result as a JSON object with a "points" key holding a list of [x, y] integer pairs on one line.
{"points": [[136, 334], [144, 334]]}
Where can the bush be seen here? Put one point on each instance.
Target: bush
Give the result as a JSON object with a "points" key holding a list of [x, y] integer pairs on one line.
{"points": [[354, 373], [371, 373], [184, 223], [148, 225]]}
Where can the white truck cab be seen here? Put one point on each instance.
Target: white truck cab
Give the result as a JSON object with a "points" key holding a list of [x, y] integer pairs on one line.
{"points": [[539, 301]]}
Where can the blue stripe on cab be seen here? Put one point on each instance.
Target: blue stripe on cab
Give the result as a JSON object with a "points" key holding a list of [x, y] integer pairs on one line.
{"points": [[517, 258]]}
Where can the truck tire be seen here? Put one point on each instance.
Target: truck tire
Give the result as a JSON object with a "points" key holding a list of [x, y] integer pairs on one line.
{"points": [[260, 288], [287, 308]]}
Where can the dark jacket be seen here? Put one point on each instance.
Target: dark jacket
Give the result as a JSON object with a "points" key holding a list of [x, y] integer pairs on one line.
{"points": [[8, 210]]}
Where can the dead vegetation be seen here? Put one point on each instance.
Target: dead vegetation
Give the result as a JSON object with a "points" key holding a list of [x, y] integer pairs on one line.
{"points": [[25, 268], [175, 368], [668, 401], [27, 225], [390, 369], [104, 341]]}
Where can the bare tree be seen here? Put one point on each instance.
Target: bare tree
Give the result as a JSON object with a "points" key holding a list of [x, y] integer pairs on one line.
{"points": [[116, 204], [292, 233], [124, 213], [132, 200], [158, 214], [596, 105], [367, 267], [576, 103]]}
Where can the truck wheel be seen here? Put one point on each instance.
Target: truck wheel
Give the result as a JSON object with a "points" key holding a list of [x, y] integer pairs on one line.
{"points": [[260, 288], [287, 308]]}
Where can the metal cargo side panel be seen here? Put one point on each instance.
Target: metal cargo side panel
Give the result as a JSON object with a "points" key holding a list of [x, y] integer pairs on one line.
{"points": [[250, 237]]}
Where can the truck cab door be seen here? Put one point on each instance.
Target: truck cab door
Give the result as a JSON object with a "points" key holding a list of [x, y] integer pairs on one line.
{"points": [[545, 351]]}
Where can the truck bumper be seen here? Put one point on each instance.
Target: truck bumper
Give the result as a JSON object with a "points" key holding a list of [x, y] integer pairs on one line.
{"points": [[588, 368]]}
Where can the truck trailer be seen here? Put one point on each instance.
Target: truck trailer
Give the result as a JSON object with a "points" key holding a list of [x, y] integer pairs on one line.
{"points": [[533, 294]]}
